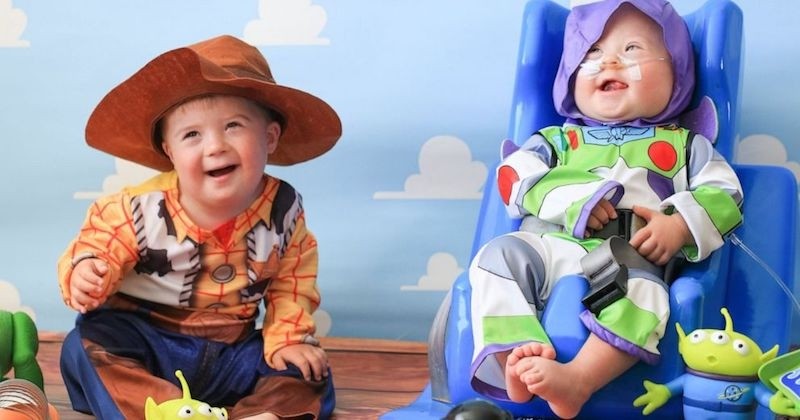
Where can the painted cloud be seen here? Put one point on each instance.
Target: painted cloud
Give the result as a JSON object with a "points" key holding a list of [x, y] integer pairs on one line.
{"points": [[443, 270], [764, 149], [287, 22], [10, 300], [323, 321], [128, 173], [12, 24], [446, 171]]}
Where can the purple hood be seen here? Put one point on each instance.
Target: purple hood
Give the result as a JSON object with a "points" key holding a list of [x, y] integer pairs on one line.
{"points": [[584, 27]]}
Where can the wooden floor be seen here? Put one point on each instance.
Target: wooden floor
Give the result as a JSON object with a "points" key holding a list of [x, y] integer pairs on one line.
{"points": [[371, 376]]}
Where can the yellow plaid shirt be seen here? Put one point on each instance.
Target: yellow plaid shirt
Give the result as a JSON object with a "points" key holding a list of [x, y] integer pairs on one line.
{"points": [[200, 282]]}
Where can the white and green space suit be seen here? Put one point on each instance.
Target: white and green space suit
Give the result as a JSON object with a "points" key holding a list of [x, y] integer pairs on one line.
{"points": [[558, 176]]}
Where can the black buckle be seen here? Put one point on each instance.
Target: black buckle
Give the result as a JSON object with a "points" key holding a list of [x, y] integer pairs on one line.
{"points": [[606, 268], [623, 226], [605, 290]]}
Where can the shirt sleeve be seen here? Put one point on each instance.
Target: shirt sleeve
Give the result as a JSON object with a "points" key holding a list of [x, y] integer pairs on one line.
{"points": [[108, 235], [712, 204], [293, 296], [532, 181]]}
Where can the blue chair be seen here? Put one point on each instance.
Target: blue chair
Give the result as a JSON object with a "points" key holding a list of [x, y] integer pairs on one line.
{"points": [[731, 277]]}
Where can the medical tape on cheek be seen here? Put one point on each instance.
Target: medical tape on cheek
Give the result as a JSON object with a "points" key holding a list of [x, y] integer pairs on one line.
{"points": [[591, 68], [632, 65]]}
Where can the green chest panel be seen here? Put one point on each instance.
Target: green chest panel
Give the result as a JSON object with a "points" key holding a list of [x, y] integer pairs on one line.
{"points": [[658, 149]]}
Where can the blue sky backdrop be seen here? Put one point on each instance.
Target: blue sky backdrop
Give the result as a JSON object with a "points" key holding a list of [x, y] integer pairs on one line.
{"points": [[423, 89]]}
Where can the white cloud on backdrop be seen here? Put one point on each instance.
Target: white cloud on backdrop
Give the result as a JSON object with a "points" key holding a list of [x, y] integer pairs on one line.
{"points": [[446, 171], [12, 25], [10, 300], [128, 173], [323, 321], [443, 270], [287, 22], [764, 149]]}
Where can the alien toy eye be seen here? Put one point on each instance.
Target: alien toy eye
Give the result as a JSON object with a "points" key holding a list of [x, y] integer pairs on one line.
{"points": [[741, 347], [185, 412], [697, 336], [719, 337], [204, 409], [220, 413]]}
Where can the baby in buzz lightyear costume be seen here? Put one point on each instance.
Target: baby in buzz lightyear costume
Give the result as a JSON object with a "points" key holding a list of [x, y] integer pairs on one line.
{"points": [[626, 76]]}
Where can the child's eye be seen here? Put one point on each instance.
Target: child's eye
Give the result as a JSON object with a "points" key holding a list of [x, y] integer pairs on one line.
{"points": [[635, 50], [191, 134], [232, 124], [594, 52]]}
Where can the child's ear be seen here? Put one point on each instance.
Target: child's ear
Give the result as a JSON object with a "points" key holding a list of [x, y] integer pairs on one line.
{"points": [[165, 148], [273, 134]]}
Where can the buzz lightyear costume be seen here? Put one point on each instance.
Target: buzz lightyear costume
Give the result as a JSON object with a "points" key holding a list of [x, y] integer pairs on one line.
{"points": [[561, 173]]}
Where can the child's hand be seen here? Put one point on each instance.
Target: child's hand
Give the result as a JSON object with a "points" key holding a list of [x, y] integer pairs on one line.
{"points": [[86, 285], [601, 214], [309, 359], [662, 237]]}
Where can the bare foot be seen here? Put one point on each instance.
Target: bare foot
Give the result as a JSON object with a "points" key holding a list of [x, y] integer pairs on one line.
{"points": [[562, 385], [518, 390]]}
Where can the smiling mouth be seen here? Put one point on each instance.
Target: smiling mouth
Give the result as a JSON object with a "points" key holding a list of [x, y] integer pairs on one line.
{"points": [[221, 171], [612, 85]]}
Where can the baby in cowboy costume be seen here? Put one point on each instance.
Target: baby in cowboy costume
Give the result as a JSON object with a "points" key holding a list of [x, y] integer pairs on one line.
{"points": [[169, 274]]}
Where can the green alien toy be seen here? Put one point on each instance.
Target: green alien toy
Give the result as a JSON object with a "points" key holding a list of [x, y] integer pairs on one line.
{"points": [[721, 379], [183, 408], [19, 343], [21, 397]]}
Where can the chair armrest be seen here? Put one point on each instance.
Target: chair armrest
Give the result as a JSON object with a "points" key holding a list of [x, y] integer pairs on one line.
{"points": [[685, 302], [561, 316]]}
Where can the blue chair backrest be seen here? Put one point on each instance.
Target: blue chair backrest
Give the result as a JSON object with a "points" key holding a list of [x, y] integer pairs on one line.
{"points": [[730, 277]]}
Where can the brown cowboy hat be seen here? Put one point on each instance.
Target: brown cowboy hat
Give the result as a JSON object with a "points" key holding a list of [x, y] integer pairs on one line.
{"points": [[123, 122]]}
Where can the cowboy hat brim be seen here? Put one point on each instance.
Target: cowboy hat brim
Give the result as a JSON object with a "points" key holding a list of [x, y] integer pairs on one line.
{"points": [[122, 124]]}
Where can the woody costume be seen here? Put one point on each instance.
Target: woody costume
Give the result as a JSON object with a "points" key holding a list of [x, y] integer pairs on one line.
{"points": [[182, 297], [560, 174]]}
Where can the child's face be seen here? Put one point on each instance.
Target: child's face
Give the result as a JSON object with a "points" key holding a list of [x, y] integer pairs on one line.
{"points": [[219, 146], [630, 74]]}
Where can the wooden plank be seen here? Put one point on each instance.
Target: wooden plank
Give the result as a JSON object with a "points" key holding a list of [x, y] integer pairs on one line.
{"points": [[379, 371], [373, 345], [371, 376]]}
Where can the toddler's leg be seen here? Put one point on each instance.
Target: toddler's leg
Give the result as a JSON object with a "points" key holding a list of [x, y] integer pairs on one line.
{"points": [[287, 397], [110, 386], [507, 277], [567, 386], [128, 383]]}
